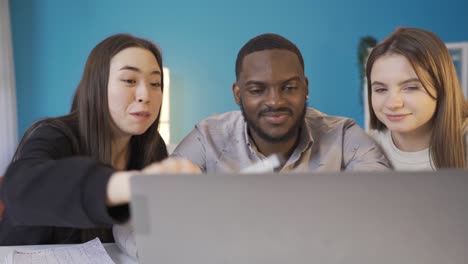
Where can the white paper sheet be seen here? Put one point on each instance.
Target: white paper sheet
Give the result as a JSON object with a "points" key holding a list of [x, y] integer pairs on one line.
{"points": [[124, 237], [91, 252]]}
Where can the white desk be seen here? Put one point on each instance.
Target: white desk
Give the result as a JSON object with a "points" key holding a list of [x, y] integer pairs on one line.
{"points": [[114, 252]]}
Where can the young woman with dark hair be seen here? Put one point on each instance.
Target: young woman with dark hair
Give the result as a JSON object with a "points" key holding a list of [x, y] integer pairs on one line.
{"points": [[69, 178]]}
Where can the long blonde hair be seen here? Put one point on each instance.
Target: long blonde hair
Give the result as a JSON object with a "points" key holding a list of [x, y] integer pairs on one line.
{"points": [[434, 67]]}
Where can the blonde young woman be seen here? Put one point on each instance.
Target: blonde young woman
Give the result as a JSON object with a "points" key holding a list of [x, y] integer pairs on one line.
{"points": [[418, 112]]}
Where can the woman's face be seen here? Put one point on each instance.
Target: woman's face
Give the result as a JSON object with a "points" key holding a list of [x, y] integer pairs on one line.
{"points": [[399, 99], [134, 91]]}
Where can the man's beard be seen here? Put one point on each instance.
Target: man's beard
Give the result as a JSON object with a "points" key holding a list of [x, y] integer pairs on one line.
{"points": [[295, 128]]}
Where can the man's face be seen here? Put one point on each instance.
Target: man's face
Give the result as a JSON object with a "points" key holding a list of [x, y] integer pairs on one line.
{"points": [[271, 91]]}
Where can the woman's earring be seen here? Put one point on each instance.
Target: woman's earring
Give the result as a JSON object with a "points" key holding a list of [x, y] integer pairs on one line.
{"points": [[307, 97]]}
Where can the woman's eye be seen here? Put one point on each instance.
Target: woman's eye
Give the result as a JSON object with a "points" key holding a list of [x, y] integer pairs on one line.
{"points": [[129, 81], [379, 89], [411, 88], [156, 84]]}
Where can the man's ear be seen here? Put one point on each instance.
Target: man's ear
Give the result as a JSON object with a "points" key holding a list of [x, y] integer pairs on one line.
{"points": [[236, 93], [307, 86]]}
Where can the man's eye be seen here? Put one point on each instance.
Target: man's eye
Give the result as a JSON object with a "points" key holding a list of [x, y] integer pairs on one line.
{"points": [[255, 91], [290, 87]]}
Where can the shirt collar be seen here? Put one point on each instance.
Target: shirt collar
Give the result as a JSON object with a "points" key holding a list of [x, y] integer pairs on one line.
{"points": [[250, 143], [306, 138]]}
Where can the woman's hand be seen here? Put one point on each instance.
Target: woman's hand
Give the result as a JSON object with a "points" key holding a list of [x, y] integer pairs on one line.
{"points": [[172, 165], [118, 187]]}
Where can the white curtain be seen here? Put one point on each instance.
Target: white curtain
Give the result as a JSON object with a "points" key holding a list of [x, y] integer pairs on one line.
{"points": [[8, 119]]}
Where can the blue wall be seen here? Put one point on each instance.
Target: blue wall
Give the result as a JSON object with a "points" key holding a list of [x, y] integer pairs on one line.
{"points": [[200, 40]]}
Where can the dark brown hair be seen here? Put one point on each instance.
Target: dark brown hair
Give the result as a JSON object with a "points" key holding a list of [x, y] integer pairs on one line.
{"points": [[434, 67], [90, 114]]}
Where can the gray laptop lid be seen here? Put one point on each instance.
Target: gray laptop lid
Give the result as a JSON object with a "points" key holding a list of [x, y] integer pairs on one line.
{"points": [[302, 218]]}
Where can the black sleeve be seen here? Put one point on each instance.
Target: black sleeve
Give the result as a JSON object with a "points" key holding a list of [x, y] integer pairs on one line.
{"points": [[47, 185]]}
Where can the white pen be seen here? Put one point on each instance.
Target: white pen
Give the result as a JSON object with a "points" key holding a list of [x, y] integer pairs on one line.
{"points": [[265, 165]]}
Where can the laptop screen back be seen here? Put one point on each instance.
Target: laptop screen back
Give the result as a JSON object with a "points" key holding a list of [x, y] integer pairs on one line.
{"points": [[302, 218]]}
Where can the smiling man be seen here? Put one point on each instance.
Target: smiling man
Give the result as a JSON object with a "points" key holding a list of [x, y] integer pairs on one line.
{"points": [[272, 92]]}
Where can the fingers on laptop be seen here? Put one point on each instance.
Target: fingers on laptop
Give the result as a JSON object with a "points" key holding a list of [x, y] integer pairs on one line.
{"points": [[172, 165]]}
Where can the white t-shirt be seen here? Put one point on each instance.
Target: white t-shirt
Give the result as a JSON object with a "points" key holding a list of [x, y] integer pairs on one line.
{"points": [[402, 160], [407, 161]]}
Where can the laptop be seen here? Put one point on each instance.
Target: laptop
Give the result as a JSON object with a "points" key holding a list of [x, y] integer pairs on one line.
{"points": [[326, 218]]}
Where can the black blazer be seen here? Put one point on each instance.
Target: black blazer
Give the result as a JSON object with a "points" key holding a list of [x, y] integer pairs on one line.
{"points": [[53, 195]]}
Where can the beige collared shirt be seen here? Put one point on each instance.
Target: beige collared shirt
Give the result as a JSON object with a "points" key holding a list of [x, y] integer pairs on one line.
{"points": [[327, 143]]}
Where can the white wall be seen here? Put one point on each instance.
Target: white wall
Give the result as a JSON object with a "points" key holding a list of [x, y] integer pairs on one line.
{"points": [[8, 120]]}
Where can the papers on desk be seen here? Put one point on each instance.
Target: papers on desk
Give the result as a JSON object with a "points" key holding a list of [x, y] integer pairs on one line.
{"points": [[125, 239], [91, 252]]}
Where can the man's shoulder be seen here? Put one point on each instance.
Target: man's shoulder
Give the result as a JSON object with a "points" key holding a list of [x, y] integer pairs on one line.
{"points": [[317, 119], [226, 120], [379, 135]]}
